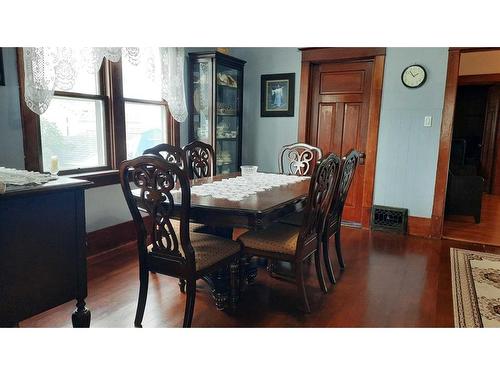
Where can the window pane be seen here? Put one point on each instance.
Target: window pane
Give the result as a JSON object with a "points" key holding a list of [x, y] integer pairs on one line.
{"points": [[145, 127], [143, 81], [73, 130], [86, 83]]}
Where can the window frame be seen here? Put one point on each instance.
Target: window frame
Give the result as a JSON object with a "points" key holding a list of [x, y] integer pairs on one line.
{"points": [[111, 93]]}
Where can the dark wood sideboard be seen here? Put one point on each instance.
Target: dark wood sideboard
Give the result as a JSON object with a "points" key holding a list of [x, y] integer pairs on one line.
{"points": [[43, 250]]}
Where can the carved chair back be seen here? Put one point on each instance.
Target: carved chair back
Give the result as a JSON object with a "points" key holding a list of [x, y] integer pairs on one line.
{"points": [[170, 153], [153, 180], [200, 159], [299, 159], [348, 170], [321, 189]]}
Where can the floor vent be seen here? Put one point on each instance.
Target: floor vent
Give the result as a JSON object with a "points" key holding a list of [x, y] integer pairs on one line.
{"points": [[389, 219]]}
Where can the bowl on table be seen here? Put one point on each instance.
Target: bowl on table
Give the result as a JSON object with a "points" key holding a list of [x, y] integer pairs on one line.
{"points": [[248, 170]]}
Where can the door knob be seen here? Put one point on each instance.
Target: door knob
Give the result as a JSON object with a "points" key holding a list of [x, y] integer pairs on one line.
{"points": [[362, 157]]}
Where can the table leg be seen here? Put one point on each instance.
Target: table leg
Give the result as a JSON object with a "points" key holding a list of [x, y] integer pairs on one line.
{"points": [[81, 316], [234, 270], [251, 270], [220, 287]]}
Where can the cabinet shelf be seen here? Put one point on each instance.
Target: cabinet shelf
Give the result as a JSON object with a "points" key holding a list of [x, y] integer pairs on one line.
{"points": [[227, 86], [225, 164], [228, 114]]}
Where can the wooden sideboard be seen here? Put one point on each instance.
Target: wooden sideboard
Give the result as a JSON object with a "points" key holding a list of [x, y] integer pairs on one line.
{"points": [[43, 250]]}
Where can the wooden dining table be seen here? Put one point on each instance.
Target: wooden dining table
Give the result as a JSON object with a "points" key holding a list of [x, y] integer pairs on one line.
{"points": [[255, 212]]}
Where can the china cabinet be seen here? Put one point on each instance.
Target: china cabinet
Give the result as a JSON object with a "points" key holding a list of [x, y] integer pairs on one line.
{"points": [[215, 106]]}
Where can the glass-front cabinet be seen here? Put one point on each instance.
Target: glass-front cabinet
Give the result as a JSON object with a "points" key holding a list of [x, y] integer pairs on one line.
{"points": [[215, 103]]}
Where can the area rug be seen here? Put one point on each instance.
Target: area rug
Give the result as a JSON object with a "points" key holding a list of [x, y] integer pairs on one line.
{"points": [[475, 281]]}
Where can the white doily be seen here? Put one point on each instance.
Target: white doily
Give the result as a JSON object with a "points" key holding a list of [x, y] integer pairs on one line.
{"points": [[10, 176], [239, 188]]}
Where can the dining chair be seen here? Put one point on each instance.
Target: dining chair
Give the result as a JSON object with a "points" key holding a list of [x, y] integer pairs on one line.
{"points": [[171, 153], [334, 218], [200, 159], [176, 155], [173, 252], [299, 159], [296, 244]]}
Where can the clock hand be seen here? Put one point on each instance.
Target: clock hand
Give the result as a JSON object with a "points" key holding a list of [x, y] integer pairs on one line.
{"points": [[412, 73]]}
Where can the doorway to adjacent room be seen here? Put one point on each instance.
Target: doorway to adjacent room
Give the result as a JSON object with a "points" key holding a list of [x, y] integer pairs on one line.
{"points": [[472, 201]]}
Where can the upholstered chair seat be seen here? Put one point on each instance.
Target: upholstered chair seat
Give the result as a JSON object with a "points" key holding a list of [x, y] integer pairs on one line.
{"points": [[277, 238], [208, 249]]}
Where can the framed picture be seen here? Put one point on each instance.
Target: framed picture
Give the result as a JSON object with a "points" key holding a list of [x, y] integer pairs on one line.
{"points": [[2, 74], [277, 95]]}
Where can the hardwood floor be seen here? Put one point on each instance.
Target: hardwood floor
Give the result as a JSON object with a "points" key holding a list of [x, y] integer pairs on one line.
{"points": [[390, 281], [463, 228]]}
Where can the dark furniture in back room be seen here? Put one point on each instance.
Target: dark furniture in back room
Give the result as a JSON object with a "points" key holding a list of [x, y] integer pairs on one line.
{"points": [[42, 250], [464, 194]]}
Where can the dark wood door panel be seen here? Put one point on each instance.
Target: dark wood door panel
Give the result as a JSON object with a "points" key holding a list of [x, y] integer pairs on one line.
{"points": [[326, 121], [342, 82], [352, 122], [339, 118]]}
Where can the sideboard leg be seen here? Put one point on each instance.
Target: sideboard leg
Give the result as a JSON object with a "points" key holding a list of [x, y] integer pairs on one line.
{"points": [[81, 316]]}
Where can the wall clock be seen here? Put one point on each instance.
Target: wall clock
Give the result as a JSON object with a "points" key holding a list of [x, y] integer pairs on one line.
{"points": [[414, 76]]}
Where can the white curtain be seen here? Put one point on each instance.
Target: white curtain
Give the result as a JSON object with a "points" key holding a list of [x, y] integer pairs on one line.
{"points": [[48, 69]]}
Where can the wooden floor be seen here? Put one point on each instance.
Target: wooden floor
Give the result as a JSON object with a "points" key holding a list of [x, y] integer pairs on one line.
{"points": [[390, 281], [463, 228]]}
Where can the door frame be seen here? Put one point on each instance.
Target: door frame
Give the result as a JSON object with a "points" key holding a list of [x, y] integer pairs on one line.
{"points": [[312, 56], [443, 164]]}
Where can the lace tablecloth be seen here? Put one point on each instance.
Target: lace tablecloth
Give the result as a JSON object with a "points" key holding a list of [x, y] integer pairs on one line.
{"points": [[10, 176], [241, 187]]}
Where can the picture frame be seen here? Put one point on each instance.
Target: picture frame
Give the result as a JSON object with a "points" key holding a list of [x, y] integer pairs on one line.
{"points": [[277, 95], [2, 72]]}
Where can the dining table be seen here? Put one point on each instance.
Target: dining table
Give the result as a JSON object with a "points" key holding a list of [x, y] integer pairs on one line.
{"points": [[255, 212]]}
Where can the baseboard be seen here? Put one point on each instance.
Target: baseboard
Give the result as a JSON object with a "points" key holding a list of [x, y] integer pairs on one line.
{"points": [[109, 238], [419, 226], [106, 239]]}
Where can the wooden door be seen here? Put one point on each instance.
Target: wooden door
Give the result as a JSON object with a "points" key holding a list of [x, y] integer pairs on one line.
{"points": [[339, 110], [488, 149]]}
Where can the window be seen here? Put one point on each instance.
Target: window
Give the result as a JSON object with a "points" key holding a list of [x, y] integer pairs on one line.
{"points": [[145, 111], [73, 128], [106, 118]]}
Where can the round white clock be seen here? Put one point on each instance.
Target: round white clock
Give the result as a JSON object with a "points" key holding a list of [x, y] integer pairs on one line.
{"points": [[414, 76]]}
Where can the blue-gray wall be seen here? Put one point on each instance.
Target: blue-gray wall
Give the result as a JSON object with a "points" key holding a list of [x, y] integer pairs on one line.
{"points": [[11, 133], [407, 151], [264, 136]]}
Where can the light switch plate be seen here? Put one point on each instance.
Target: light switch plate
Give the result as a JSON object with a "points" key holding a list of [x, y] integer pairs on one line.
{"points": [[428, 121]]}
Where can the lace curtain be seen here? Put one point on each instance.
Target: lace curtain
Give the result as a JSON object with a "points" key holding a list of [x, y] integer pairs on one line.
{"points": [[48, 69]]}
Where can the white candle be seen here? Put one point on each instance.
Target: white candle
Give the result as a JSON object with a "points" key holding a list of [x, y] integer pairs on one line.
{"points": [[54, 165]]}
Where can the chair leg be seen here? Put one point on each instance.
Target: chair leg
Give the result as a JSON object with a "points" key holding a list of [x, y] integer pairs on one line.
{"points": [[338, 249], [326, 259], [190, 297], [319, 271], [182, 285], [301, 287], [143, 294]]}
